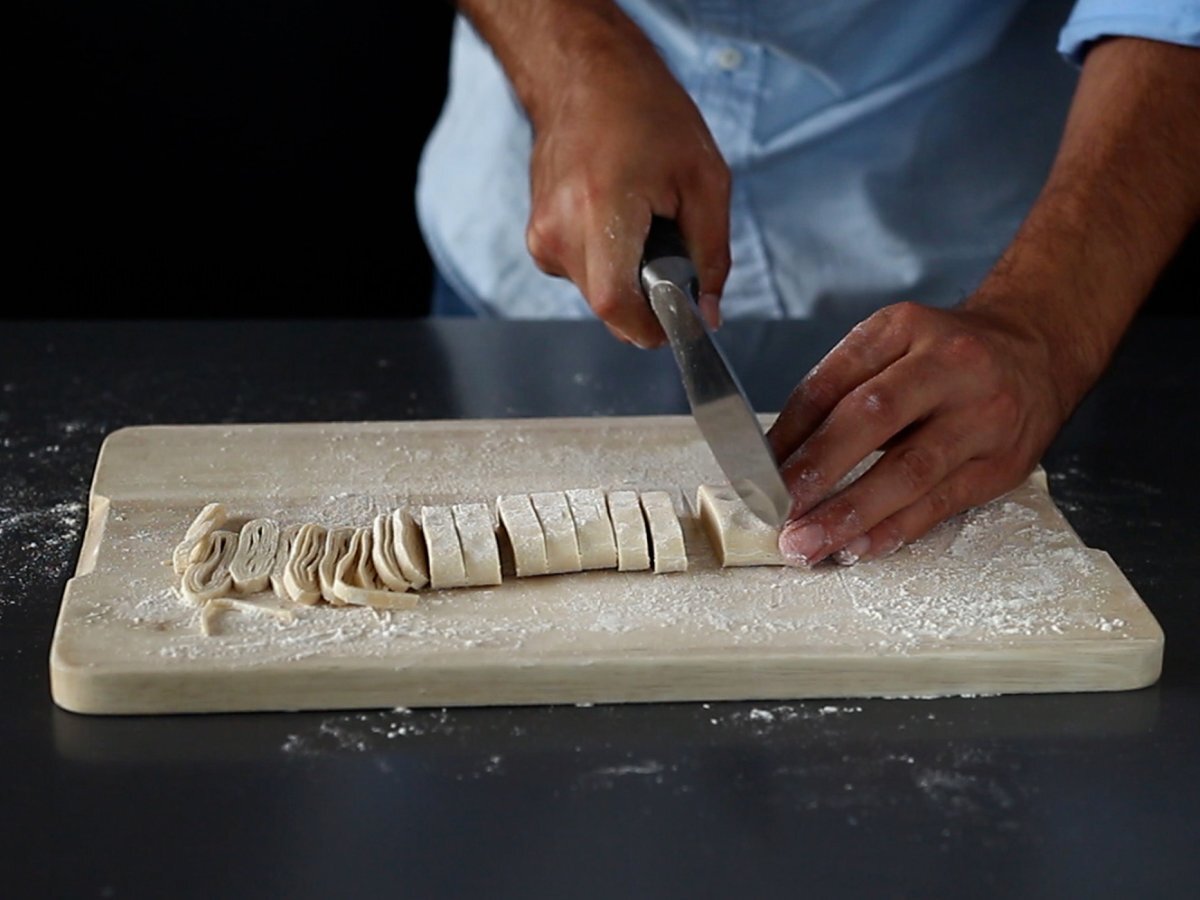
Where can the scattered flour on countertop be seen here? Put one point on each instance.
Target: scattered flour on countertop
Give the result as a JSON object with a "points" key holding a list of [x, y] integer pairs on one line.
{"points": [[45, 537]]}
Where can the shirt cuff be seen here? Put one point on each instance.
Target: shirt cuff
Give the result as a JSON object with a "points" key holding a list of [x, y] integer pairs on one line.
{"points": [[1174, 21]]}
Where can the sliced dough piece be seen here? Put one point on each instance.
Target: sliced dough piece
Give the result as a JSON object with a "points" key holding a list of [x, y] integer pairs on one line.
{"points": [[209, 576], [629, 527], [255, 556], [409, 547], [383, 553], [739, 537], [337, 544], [666, 535], [356, 581], [208, 520], [525, 534], [477, 537], [593, 528], [283, 550], [558, 530], [300, 578], [446, 566]]}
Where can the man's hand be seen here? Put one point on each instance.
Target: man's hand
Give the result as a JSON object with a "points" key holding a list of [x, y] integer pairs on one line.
{"points": [[963, 402], [616, 140]]}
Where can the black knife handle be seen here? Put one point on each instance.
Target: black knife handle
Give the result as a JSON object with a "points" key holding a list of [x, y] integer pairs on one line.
{"points": [[664, 239], [666, 253]]}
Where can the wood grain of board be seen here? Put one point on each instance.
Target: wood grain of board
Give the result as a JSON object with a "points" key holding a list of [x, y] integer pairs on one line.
{"points": [[1003, 599]]}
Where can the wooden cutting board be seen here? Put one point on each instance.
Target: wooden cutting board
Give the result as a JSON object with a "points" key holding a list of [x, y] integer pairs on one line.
{"points": [[1003, 599]]}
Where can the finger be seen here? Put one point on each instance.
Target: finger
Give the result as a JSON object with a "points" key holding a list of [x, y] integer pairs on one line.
{"points": [[900, 478], [710, 311], [864, 420], [703, 220], [612, 254], [868, 349], [971, 484]]}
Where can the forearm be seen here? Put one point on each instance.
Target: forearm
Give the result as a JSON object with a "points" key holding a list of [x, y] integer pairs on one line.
{"points": [[547, 45], [1123, 192]]}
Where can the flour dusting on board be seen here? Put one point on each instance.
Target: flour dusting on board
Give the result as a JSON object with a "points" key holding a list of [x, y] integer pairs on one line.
{"points": [[957, 583], [1010, 574]]}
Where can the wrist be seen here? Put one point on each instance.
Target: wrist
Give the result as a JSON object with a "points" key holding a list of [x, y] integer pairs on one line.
{"points": [[1049, 293]]}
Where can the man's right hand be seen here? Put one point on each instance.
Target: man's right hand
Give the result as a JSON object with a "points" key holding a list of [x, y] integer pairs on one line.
{"points": [[616, 140]]}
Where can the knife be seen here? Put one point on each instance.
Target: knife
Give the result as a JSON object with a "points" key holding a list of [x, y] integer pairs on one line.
{"points": [[718, 403]]}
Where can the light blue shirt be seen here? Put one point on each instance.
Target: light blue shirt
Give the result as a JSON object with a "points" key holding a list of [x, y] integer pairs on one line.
{"points": [[879, 148]]}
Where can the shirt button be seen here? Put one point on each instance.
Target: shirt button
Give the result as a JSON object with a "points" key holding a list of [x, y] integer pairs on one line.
{"points": [[728, 58]]}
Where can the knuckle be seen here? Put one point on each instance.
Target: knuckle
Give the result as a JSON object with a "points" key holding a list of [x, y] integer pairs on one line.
{"points": [[919, 466], [904, 314], [721, 177], [877, 403], [966, 350], [606, 303], [719, 260], [843, 518], [805, 481], [543, 241], [816, 391], [942, 503], [1004, 410]]}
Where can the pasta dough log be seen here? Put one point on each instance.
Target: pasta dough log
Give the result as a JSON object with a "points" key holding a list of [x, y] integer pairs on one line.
{"points": [[525, 534], [209, 576], [209, 519], [666, 535], [300, 577], [356, 581], [738, 536], [477, 537], [558, 531], [409, 548], [593, 529], [337, 543], [629, 527], [255, 555], [446, 566]]}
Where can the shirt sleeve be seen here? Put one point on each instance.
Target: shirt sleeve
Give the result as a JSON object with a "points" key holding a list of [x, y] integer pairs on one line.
{"points": [[1174, 21]]}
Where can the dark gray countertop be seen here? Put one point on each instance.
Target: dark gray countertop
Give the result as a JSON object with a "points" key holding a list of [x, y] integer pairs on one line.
{"points": [[1032, 796]]}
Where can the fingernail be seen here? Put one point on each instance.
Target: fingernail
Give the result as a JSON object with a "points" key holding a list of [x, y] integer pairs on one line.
{"points": [[799, 545], [853, 551]]}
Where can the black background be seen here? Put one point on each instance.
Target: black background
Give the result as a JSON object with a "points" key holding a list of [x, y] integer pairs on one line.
{"points": [[213, 156], [205, 152]]}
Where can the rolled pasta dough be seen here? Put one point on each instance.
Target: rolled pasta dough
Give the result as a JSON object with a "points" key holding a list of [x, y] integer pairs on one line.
{"points": [[525, 534], [446, 566], [255, 555], [477, 536], [629, 526], [593, 528], [558, 530], [666, 535], [738, 536], [208, 520], [207, 576]]}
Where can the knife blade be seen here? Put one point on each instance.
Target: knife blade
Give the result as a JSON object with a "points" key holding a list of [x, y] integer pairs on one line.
{"points": [[719, 405]]}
